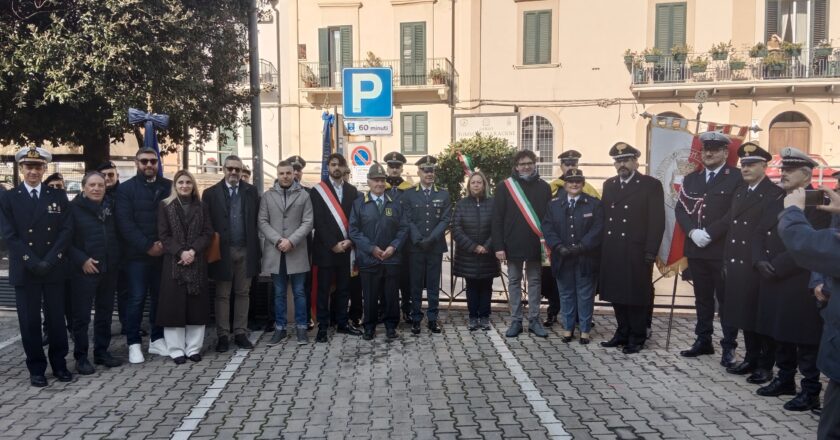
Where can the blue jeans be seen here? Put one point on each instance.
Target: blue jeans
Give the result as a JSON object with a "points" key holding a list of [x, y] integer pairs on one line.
{"points": [[142, 277], [280, 280], [576, 297]]}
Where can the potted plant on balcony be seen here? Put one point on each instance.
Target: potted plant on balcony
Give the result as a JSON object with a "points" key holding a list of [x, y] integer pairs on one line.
{"points": [[629, 56], [310, 80], [698, 64], [736, 63], [792, 49], [823, 49], [372, 60], [721, 51], [680, 52], [774, 63], [652, 54], [437, 75], [759, 50]]}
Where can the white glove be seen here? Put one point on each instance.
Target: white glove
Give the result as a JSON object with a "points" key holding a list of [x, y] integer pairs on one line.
{"points": [[700, 237]]}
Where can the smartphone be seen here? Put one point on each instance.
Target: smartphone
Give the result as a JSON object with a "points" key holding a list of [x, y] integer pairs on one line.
{"points": [[815, 197]]}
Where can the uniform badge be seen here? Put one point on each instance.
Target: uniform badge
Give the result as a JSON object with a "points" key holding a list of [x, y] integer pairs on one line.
{"points": [[388, 212], [26, 258], [53, 209]]}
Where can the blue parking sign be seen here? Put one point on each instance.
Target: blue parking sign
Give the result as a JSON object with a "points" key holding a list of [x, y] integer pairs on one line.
{"points": [[368, 92]]}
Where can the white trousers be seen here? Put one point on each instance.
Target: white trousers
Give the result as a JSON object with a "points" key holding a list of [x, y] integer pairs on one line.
{"points": [[184, 341]]}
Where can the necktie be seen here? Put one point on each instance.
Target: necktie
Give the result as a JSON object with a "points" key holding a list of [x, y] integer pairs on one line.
{"points": [[711, 176], [34, 193], [379, 204], [572, 204], [749, 191], [427, 191], [233, 191], [622, 184]]}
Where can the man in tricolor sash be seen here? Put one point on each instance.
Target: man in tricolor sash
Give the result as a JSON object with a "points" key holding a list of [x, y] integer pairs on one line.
{"points": [[428, 209], [634, 213], [333, 251], [521, 201], [704, 203], [395, 185]]}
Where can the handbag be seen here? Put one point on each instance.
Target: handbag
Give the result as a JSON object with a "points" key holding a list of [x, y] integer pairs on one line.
{"points": [[214, 252]]}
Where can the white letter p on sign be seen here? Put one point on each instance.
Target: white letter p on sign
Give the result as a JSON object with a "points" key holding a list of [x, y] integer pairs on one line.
{"points": [[359, 95]]}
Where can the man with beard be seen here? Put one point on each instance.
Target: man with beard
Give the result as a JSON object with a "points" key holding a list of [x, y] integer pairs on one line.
{"points": [[395, 185], [298, 164], [704, 202], [333, 251], [634, 216], [741, 279], [520, 204], [787, 311]]}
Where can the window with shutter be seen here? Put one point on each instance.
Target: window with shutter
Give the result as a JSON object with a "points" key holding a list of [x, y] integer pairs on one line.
{"points": [[335, 52], [819, 22], [670, 26], [246, 130], [413, 53], [771, 21], [536, 46], [414, 131]]}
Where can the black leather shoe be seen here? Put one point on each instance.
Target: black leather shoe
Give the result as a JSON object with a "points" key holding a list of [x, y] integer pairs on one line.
{"points": [[614, 342], [241, 340], [777, 388], [84, 367], [179, 360], [391, 334], [311, 325], [223, 344], [356, 323], [434, 327], [107, 360], [631, 349], [551, 320], [727, 358], [415, 327], [63, 375], [566, 339], [195, 357], [760, 376], [584, 341], [348, 330], [699, 348], [803, 402], [38, 380], [368, 335], [322, 335], [741, 369]]}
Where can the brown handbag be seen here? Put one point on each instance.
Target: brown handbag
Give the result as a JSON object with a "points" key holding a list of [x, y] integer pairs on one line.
{"points": [[214, 252]]}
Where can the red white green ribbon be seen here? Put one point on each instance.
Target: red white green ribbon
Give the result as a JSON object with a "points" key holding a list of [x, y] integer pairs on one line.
{"points": [[466, 163], [531, 218]]}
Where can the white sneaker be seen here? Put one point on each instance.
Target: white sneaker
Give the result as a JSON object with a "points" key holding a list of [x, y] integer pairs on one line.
{"points": [[135, 354], [158, 347]]}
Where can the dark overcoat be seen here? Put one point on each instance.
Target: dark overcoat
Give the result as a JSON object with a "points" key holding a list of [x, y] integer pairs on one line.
{"points": [[787, 309], [634, 221], [510, 230], [428, 218], [327, 231], [177, 308], [583, 226], [703, 205], [217, 199], [741, 278]]}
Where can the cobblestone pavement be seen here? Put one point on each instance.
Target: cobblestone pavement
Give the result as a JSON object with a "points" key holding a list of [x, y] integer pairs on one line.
{"points": [[459, 384]]}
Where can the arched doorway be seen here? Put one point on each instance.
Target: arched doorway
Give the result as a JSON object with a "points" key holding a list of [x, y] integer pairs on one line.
{"points": [[790, 129], [537, 135]]}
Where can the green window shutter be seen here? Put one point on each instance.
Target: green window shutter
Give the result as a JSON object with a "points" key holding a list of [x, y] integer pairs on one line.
{"points": [[346, 46], [246, 129], [407, 133], [324, 56], [529, 46], [412, 53], [414, 132], [771, 19], [544, 37], [670, 26], [420, 133], [678, 20], [819, 22]]}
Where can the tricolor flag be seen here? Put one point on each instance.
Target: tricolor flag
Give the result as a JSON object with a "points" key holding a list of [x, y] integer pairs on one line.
{"points": [[466, 163], [675, 152]]}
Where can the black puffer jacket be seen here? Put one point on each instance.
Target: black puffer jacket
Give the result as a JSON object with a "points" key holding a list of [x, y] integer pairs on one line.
{"points": [[94, 234], [471, 227]]}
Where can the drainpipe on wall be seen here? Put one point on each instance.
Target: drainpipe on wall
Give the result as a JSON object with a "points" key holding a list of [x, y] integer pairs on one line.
{"points": [[279, 90]]}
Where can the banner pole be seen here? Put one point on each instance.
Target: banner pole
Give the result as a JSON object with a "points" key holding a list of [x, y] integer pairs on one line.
{"points": [[671, 317]]}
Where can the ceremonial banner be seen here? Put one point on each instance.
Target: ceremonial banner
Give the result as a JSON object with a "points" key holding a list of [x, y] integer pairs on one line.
{"points": [[675, 152]]}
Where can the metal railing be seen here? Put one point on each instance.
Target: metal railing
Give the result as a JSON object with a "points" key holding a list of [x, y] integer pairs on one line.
{"points": [[268, 73], [747, 65], [420, 73]]}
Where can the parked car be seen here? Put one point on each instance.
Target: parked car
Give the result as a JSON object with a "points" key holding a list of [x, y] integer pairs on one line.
{"points": [[820, 175]]}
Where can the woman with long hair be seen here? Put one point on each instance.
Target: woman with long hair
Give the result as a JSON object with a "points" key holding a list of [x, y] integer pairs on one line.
{"points": [[474, 258], [186, 232]]}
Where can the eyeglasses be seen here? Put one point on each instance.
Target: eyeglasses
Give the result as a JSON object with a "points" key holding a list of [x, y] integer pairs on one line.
{"points": [[234, 169], [147, 161], [111, 174]]}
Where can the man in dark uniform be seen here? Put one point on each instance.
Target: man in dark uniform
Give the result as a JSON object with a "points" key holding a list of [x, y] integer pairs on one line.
{"points": [[395, 185], [741, 279], [634, 220], [428, 210], [788, 312], [378, 228], [333, 250], [37, 228], [704, 201]]}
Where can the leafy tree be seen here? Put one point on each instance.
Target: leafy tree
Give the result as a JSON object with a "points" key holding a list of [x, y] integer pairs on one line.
{"points": [[489, 154], [69, 69]]}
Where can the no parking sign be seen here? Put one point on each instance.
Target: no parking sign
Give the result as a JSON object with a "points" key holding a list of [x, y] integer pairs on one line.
{"points": [[361, 153]]}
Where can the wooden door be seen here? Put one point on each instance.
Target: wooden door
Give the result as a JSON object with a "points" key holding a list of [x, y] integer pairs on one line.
{"points": [[790, 134]]}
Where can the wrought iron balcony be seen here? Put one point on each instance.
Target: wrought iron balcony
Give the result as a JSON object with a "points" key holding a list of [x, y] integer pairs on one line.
{"points": [[268, 74], [431, 72], [739, 67]]}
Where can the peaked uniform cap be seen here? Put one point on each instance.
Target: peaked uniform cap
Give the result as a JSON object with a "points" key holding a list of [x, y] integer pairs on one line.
{"points": [[752, 152]]}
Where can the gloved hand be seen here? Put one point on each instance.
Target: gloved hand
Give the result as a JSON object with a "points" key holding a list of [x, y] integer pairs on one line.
{"points": [[42, 268], [700, 237], [561, 250], [575, 250], [425, 244], [765, 269], [650, 258]]}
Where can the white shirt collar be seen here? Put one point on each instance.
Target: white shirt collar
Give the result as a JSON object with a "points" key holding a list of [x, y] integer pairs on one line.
{"points": [[336, 185], [426, 188], [230, 187], [30, 188], [575, 198], [629, 178], [716, 170], [752, 187]]}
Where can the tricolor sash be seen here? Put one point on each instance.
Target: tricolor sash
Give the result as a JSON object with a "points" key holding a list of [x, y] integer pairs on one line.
{"points": [[338, 216], [531, 218]]}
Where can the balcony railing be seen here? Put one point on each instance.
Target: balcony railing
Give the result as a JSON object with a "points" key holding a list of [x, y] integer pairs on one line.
{"points": [[810, 63], [268, 73], [428, 72]]}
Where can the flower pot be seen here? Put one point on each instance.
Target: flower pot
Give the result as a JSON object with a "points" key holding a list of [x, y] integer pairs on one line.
{"points": [[737, 65], [720, 56], [698, 69], [794, 52], [823, 51], [679, 57], [758, 53], [628, 59], [652, 58]]}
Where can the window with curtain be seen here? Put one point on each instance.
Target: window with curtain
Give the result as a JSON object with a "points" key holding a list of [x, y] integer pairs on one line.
{"points": [[797, 21], [537, 135]]}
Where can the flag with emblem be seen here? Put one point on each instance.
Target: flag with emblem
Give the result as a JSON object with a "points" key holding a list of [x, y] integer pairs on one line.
{"points": [[467, 163]]}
